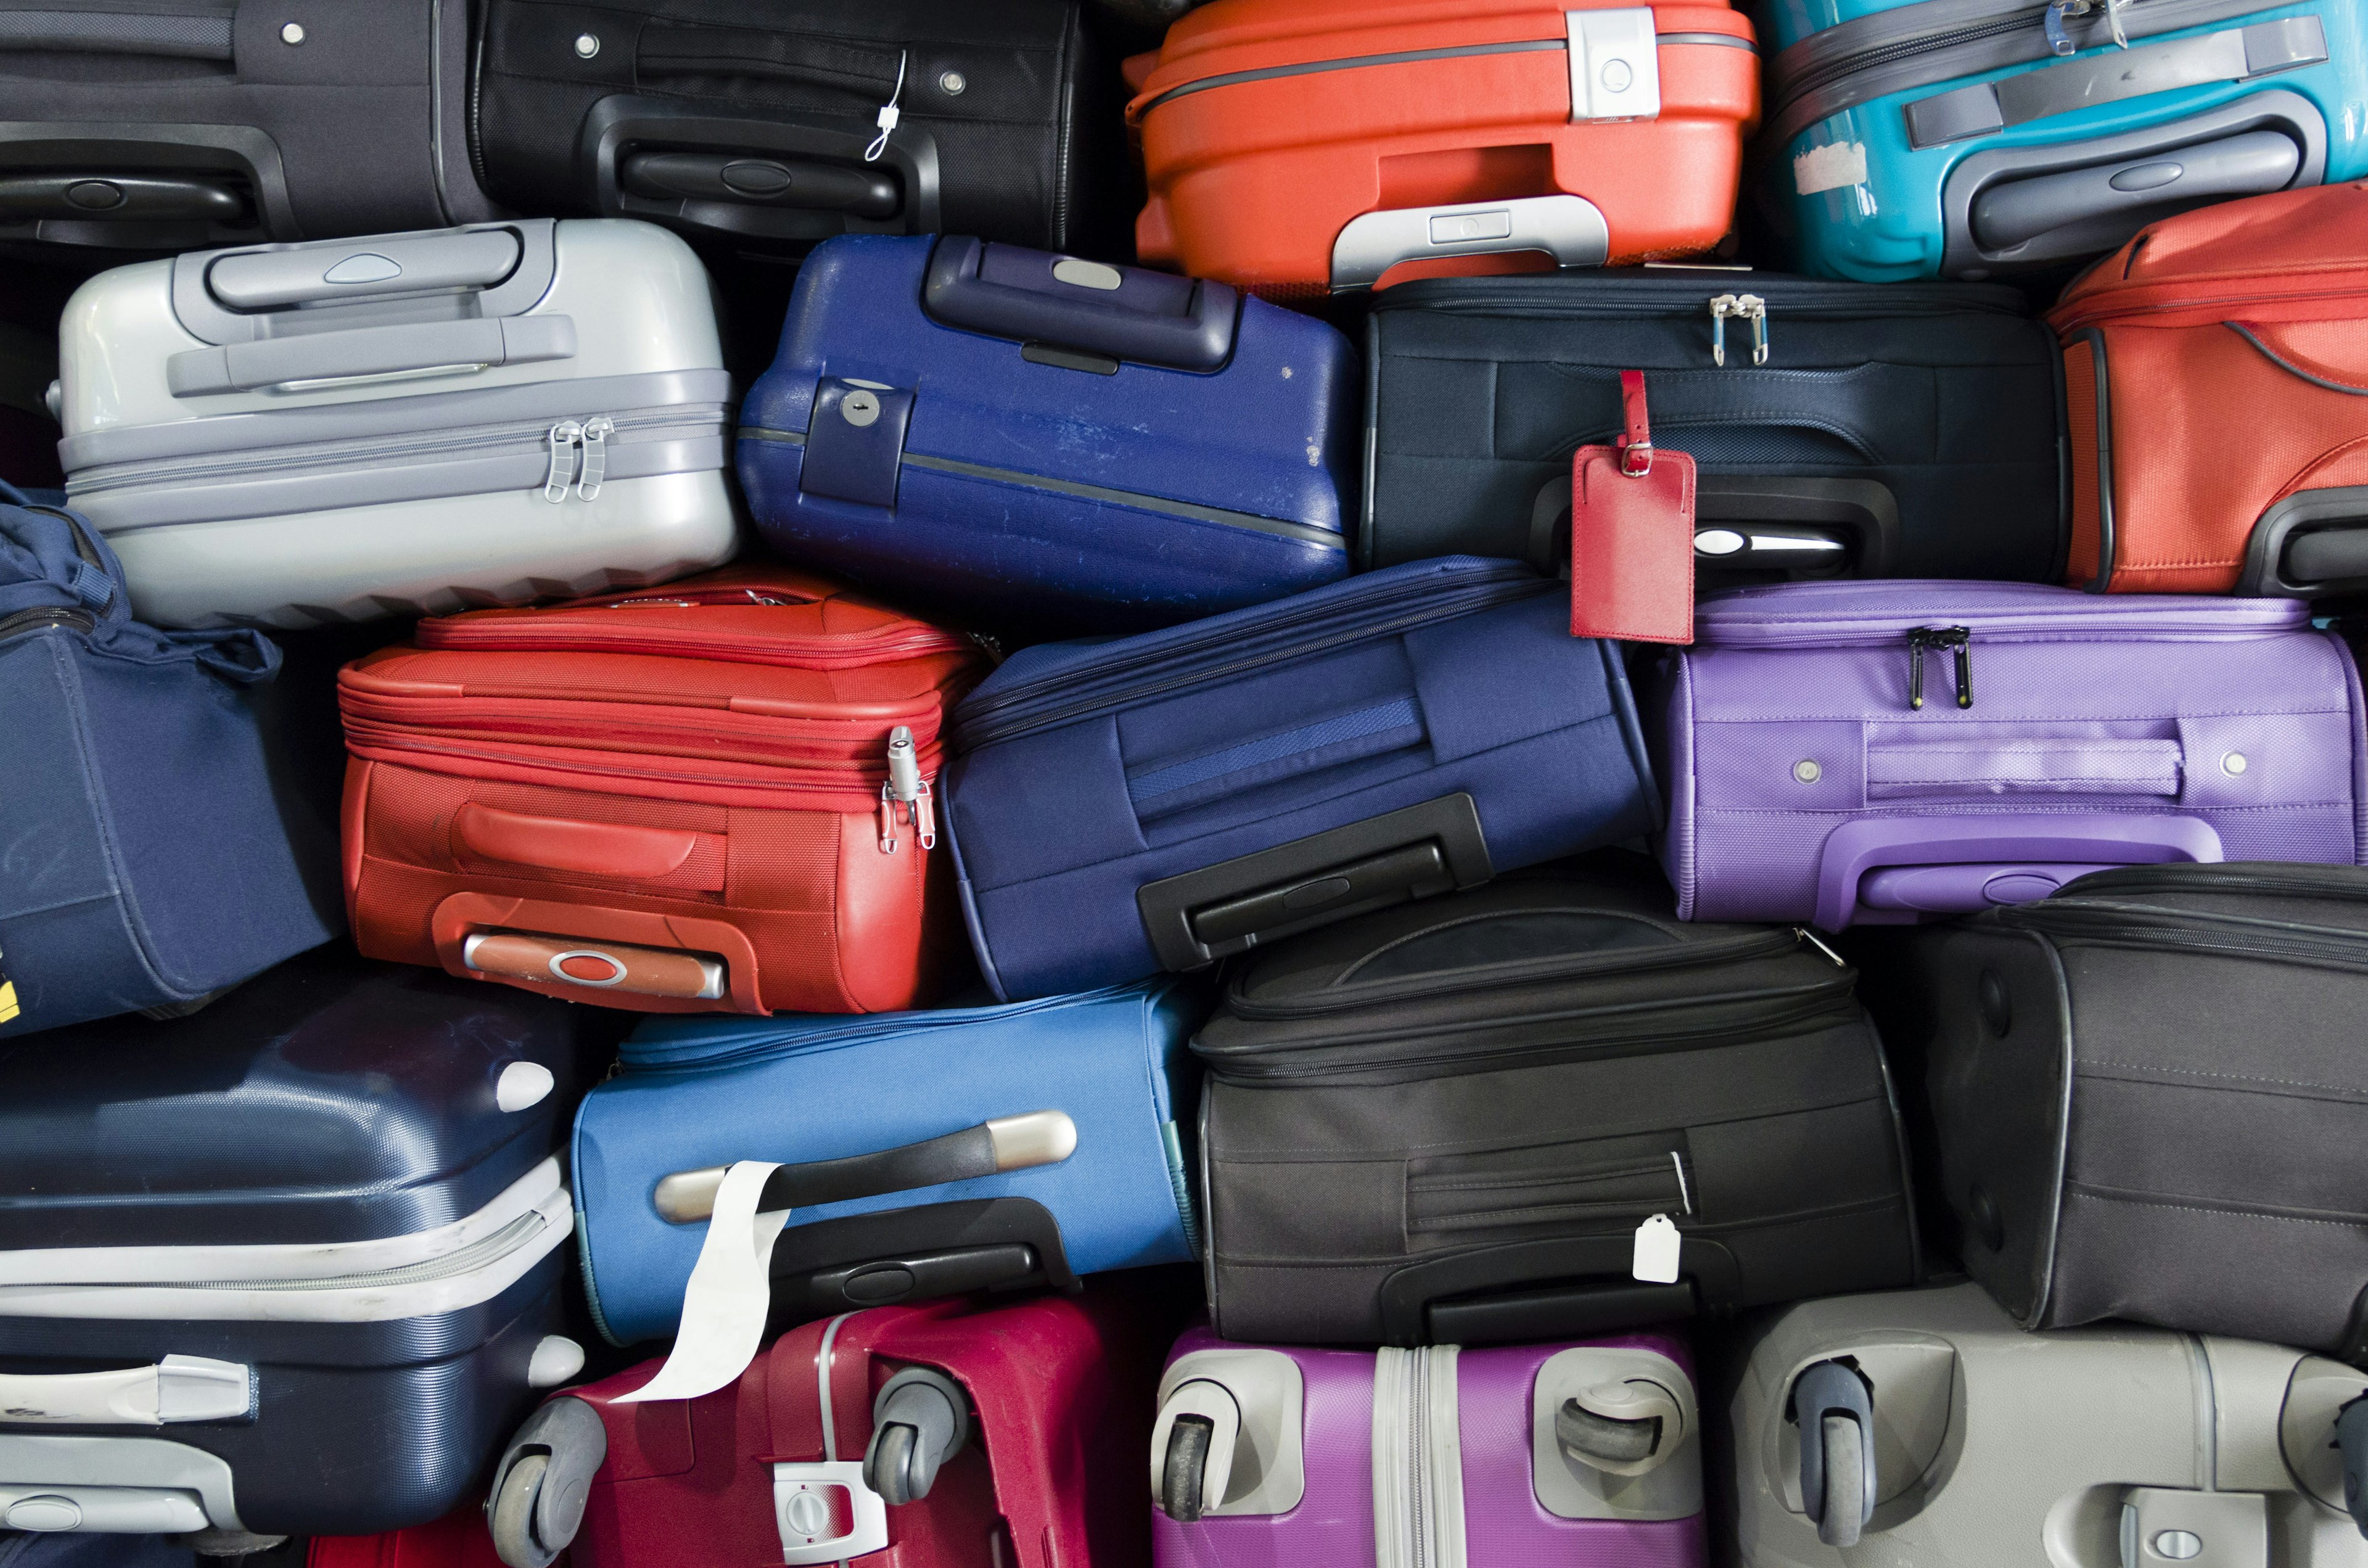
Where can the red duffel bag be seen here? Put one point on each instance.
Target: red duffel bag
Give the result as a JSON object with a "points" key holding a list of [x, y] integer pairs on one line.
{"points": [[709, 797]]}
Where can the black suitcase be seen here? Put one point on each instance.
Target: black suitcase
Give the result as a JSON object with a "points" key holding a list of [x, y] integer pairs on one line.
{"points": [[291, 1265], [2149, 1098], [1869, 430], [1447, 1122], [173, 125], [757, 124]]}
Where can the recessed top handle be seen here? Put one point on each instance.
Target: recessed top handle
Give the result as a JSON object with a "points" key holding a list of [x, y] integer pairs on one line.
{"points": [[272, 279]]}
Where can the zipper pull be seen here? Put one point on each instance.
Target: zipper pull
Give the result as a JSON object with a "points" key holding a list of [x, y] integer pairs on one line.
{"points": [[906, 789], [597, 431], [1742, 307], [1960, 641], [1816, 941], [564, 437]]}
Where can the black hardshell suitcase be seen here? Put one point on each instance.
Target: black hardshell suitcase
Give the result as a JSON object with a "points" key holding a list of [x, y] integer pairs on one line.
{"points": [[758, 124], [173, 125], [291, 1265], [1839, 429], [2149, 1098], [1446, 1122]]}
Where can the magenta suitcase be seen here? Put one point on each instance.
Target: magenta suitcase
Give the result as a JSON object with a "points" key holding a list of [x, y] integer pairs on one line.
{"points": [[1574, 1455]]}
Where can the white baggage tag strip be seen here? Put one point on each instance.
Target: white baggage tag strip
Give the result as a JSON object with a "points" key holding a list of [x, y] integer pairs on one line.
{"points": [[1830, 168], [730, 1293], [1655, 1260]]}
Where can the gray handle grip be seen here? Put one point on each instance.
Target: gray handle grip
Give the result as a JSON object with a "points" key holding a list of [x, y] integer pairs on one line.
{"points": [[1570, 228], [272, 279], [369, 352], [2010, 213]]}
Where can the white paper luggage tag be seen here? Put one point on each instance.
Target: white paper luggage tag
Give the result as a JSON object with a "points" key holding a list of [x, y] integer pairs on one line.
{"points": [[730, 1293], [1655, 1260]]}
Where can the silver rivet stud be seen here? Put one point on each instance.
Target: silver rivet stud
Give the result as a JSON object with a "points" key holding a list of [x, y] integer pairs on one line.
{"points": [[1808, 771], [953, 84], [292, 33], [587, 45], [2233, 764]]}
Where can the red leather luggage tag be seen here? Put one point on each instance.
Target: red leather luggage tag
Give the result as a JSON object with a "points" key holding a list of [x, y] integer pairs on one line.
{"points": [[1632, 534]]}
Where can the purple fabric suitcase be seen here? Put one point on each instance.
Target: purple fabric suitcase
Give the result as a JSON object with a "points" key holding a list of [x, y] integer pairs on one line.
{"points": [[1573, 1455], [1885, 752]]}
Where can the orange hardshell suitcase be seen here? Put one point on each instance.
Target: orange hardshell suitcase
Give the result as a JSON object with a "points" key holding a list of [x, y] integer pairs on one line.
{"points": [[714, 796], [2216, 375], [1296, 146]]}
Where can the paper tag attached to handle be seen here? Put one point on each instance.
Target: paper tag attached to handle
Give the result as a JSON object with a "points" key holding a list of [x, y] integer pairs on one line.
{"points": [[1632, 534], [1655, 1258]]}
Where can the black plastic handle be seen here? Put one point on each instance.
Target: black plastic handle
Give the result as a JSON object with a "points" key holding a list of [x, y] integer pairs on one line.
{"points": [[1572, 1288], [2135, 190], [1127, 312], [869, 192], [151, 199]]}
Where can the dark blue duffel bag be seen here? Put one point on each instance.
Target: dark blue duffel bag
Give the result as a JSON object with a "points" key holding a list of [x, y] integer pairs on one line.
{"points": [[144, 857], [1161, 802]]}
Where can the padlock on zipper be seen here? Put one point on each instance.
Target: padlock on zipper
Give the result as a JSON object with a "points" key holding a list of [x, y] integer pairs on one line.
{"points": [[906, 795]]}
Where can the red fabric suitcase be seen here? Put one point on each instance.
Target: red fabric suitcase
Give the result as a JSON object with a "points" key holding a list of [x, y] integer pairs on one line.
{"points": [[457, 1541], [1296, 145], [2214, 373], [780, 1467], [715, 795]]}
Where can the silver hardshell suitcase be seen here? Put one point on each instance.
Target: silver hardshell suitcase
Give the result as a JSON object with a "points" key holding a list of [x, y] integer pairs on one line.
{"points": [[1924, 1427], [400, 425]]}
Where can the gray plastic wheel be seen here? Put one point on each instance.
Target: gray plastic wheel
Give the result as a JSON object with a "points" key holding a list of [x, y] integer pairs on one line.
{"points": [[892, 1466], [1845, 1483], [1180, 1481], [512, 1517]]}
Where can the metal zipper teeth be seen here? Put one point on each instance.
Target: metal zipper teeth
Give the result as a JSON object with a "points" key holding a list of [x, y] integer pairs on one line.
{"points": [[1805, 632], [25, 622], [518, 1234], [1680, 955], [978, 728], [1893, 54], [854, 780], [1681, 300], [2141, 925], [531, 437], [1833, 996], [1418, 1460]]}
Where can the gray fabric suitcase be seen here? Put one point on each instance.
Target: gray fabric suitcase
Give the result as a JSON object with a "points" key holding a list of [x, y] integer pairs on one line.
{"points": [[169, 125]]}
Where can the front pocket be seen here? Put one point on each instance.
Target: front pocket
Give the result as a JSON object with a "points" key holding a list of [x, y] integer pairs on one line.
{"points": [[1596, 1186], [1179, 784]]}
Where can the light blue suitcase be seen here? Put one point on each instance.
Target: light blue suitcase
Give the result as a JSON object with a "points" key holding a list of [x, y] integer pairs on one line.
{"points": [[922, 1154], [1972, 137]]}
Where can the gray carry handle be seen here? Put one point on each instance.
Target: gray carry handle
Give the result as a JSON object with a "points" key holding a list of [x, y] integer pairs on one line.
{"points": [[367, 353], [760, 181], [136, 199], [918, 1421], [1835, 1410], [2013, 212], [542, 1482], [2352, 1437], [305, 274], [1568, 228], [1006, 1143]]}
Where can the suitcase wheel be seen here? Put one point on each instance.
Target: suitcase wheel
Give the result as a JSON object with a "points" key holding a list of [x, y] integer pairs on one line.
{"points": [[543, 1480], [1624, 1428], [2352, 1437], [1834, 1405], [919, 1421], [1180, 1492]]}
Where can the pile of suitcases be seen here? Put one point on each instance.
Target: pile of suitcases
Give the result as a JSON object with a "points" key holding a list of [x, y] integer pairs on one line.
{"points": [[1054, 783]]}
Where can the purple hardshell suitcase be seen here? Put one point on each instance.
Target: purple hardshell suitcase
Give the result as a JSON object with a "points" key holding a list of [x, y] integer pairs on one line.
{"points": [[1885, 752], [1578, 1454]]}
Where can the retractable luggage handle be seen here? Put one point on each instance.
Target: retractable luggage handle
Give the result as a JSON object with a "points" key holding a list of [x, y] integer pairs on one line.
{"points": [[992, 1148], [176, 1389]]}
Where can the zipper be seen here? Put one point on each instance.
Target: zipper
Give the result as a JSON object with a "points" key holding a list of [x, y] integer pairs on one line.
{"points": [[1748, 308], [906, 795], [1417, 1501], [582, 628], [1606, 298], [2180, 931], [732, 1046], [1955, 639], [2132, 618], [1052, 700], [2146, 304], [516, 1236], [2345, 882], [846, 786], [2048, 19], [25, 622], [579, 455]]}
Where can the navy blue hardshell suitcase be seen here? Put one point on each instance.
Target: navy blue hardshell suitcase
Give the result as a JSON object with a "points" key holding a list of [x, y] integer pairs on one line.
{"points": [[1008, 432], [151, 859], [1161, 802], [291, 1265]]}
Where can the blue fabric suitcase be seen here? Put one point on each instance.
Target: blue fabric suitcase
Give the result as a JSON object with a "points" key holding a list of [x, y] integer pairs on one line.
{"points": [[150, 862], [1970, 138], [923, 1153], [1118, 808], [1012, 433]]}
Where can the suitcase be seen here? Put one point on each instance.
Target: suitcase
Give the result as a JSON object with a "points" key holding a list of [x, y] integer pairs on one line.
{"points": [[457, 1541], [1583, 1454], [29, 1550], [2070, 1045], [405, 424], [1024, 435], [116, 738], [1122, 807], [712, 797], [959, 1433], [1087, 1102], [1836, 429], [185, 125], [1922, 1426], [1452, 1122], [1886, 752], [1296, 146], [290, 1265], [1969, 138], [770, 126], [2239, 315]]}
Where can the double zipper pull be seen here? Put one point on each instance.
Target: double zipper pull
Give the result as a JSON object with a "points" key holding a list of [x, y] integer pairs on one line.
{"points": [[1957, 639], [1636, 442], [1741, 307], [904, 798]]}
